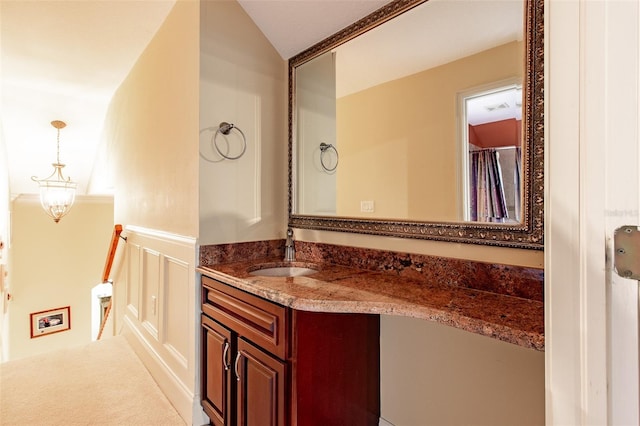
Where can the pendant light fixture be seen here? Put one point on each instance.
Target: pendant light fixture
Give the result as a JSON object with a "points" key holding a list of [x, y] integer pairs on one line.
{"points": [[57, 194]]}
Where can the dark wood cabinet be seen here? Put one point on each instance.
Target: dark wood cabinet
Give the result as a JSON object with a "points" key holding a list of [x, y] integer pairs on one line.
{"points": [[336, 369], [267, 365], [217, 388], [261, 387]]}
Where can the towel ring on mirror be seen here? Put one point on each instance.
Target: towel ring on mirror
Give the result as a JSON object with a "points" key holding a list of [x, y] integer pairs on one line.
{"points": [[323, 149], [225, 128]]}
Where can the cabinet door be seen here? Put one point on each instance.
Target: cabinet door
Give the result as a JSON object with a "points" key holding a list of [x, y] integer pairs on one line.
{"points": [[261, 387], [217, 352]]}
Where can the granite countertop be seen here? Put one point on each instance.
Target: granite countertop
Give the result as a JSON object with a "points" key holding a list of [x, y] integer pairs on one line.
{"points": [[337, 288]]}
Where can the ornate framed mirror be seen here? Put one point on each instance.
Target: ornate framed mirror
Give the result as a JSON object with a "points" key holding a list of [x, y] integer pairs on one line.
{"points": [[423, 120]]}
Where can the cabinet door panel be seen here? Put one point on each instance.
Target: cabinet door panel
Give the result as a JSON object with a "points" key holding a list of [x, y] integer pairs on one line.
{"points": [[261, 387], [216, 385]]}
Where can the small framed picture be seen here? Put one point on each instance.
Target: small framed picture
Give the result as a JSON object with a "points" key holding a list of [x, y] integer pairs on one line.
{"points": [[51, 321]]}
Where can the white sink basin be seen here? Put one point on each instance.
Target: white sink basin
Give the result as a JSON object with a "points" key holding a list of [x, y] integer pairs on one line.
{"points": [[284, 271]]}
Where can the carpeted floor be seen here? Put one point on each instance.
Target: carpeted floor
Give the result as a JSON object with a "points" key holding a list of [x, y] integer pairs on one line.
{"points": [[102, 383]]}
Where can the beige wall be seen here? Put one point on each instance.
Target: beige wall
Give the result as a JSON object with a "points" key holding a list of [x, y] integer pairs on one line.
{"points": [[55, 265], [151, 130], [151, 147], [399, 143], [436, 375], [4, 241], [241, 82]]}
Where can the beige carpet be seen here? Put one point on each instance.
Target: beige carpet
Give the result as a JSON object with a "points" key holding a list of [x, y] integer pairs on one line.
{"points": [[102, 383]]}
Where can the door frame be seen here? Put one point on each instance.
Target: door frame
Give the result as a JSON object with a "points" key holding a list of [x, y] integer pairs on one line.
{"points": [[592, 51]]}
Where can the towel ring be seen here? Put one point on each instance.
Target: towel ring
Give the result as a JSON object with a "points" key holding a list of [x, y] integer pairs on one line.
{"points": [[225, 128], [323, 149], [212, 131]]}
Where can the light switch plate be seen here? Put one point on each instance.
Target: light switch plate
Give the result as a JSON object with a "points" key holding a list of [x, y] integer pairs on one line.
{"points": [[366, 206]]}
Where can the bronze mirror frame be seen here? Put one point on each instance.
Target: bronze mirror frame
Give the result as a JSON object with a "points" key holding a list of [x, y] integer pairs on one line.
{"points": [[529, 234]]}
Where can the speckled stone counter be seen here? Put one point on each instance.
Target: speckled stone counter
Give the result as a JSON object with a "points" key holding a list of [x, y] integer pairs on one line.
{"points": [[500, 301]]}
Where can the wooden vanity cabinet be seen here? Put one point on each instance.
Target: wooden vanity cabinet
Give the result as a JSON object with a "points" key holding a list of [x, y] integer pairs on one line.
{"points": [[261, 387], [217, 383], [243, 350], [264, 364]]}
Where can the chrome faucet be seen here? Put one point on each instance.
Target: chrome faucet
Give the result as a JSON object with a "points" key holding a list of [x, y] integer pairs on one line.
{"points": [[289, 248]]}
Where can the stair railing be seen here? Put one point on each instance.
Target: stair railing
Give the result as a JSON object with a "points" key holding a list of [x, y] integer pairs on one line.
{"points": [[111, 254]]}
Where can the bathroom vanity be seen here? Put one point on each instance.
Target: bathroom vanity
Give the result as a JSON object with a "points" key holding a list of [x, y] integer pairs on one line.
{"points": [[305, 349], [264, 363]]}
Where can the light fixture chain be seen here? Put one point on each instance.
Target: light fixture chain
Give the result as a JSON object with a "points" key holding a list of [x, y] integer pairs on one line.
{"points": [[58, 150]]}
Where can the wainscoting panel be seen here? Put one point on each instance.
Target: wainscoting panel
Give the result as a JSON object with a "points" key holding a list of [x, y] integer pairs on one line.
{"points": [[162, 326], [133, 281], [150, 290], [176, 307]]}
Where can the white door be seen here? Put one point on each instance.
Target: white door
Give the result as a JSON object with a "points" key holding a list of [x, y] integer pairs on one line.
{"points": [[593, 186], [622, 203]]}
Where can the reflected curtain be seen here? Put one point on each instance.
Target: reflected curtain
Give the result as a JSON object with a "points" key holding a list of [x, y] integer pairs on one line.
{"points": [[517, 183], [487, 199]]}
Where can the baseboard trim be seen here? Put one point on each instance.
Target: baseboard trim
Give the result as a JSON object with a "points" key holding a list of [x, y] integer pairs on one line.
{"points": [[179, 396], [383, 422]]}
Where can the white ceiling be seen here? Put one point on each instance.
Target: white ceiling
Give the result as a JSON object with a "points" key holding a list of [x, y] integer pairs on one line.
{"points": [[294, 25], [63, 60]]}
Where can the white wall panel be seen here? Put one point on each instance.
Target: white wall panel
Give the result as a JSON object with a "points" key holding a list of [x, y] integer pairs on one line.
{"points": [[163, 329], [242, 81], [133, 279], [150, 290], [176, 317]]}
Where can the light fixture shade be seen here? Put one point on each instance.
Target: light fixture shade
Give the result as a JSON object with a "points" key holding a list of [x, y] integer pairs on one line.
{"points": [[57, 194]]}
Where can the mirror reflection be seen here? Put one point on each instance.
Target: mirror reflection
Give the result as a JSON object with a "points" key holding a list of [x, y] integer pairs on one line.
{"points": [[417, 119], [491, 133]]}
